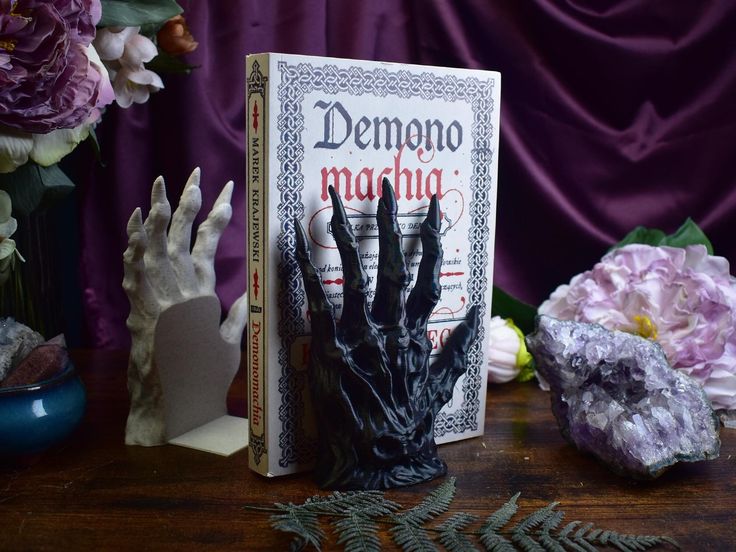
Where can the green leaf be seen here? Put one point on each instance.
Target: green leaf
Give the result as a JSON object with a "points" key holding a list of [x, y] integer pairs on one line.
{"points": [[624, 542], [150, 30], [434, 504], [642, 235], [354, 517], [408, 533], [547, 541], [134, 13], [412, 537], [527, 372], [92, 138], [506, 306], [501, 517], [166, 63], [303, 523], [687, 234], [520, 532], [562, 537], [371, 503], [489, 535], [358, 533], [33, 187], [452, 536]]}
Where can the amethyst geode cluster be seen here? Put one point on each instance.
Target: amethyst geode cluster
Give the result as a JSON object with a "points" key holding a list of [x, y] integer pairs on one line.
{"points": [[614, 395]]}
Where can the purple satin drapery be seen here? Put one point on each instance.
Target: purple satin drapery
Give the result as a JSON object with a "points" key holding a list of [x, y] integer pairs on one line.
{"points": [[614, 114]]}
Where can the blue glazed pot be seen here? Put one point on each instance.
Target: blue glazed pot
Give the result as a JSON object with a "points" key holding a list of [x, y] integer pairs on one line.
{"points": [[34, 417]]}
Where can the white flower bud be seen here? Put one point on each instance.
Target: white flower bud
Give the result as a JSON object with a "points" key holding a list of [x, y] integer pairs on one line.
{"points": [[507, 353]]}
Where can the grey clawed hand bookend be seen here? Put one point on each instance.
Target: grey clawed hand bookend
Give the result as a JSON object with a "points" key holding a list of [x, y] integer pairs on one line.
{"points": [[374, 392], [182, 360]]}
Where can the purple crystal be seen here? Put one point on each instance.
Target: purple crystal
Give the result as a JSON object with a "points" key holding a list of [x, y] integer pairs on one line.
{"points": [[614, 395]]}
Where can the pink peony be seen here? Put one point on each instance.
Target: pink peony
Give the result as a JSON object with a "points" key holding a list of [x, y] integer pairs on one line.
{"points": [[46, 79], [684, 299]]}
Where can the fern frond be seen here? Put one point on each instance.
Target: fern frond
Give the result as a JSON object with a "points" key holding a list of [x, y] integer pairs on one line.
{"points": [[569, 528], [412, 537], [581, 541], [337, 502], [627, 542], [374, 509], [519, 534], [451, 535], [457, 522], [563, 538], [358, 533], [489, 536], [547, 541], [302, 523], [434, 504], [355, 515], [501, 517]]}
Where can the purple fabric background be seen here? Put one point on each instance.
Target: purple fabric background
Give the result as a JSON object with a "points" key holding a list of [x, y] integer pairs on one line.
{"points": [[612, 116]]}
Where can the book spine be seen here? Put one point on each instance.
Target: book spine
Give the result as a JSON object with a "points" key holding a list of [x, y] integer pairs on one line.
{"points": [[257, 67]]}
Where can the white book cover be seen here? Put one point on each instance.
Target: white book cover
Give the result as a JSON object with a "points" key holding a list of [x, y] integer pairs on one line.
{"points": [[314, 122]]}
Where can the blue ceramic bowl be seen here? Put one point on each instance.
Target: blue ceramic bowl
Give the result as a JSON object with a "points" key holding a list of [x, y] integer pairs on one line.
{"points": [[34, 417]]}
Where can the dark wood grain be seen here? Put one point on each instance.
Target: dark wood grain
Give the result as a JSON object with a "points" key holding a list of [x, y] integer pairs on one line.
{"points": [[94, 493]]}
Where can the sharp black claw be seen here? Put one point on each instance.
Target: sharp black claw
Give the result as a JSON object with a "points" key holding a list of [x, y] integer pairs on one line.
{"points": [[473, 318], [338, 209], [388, 197], [433, 215], [302, 246]]}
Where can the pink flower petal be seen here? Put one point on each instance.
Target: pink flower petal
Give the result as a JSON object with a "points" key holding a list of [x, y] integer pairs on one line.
{"points": [[687, 296]]}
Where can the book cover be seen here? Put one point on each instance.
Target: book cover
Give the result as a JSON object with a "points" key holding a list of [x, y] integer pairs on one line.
{"points": [[314, 122]]}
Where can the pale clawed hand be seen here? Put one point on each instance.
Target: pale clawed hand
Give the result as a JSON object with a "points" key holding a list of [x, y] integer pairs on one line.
{"points": [[163, 275]]}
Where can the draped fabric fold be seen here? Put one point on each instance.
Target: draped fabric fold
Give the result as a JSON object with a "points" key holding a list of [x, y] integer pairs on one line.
{"points": [[614, 114]]}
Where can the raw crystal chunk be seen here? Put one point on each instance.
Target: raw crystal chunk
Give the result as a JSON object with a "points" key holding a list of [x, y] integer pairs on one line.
{"points": [[42, 363], [16, 341], [614, 395]]}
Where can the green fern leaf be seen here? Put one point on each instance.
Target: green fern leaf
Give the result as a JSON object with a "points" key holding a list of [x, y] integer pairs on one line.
{"points": [[584, 528], [457, 542], [375, 509], [563, 538], [355, 515], [434, 504], [497, 543], [337, 503], [302, 523], [358, 533], [581, 541], [451, 535], [547, 541], [489, 536], [412, 537], [519, 534], [408, 533], [627, 543], [569, 528], [457, 522]]}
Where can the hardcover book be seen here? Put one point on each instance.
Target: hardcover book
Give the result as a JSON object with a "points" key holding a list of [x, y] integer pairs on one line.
{"points": [[313, 122]]}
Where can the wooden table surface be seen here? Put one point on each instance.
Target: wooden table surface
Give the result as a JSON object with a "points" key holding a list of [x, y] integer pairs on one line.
{"points": [[94, 493]]}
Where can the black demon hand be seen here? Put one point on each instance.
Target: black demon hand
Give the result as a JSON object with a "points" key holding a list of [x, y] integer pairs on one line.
{"points": [[374, 392]]}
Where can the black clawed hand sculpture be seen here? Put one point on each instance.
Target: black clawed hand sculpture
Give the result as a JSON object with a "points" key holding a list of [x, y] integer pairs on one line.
{"points": [[374, 393]]}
